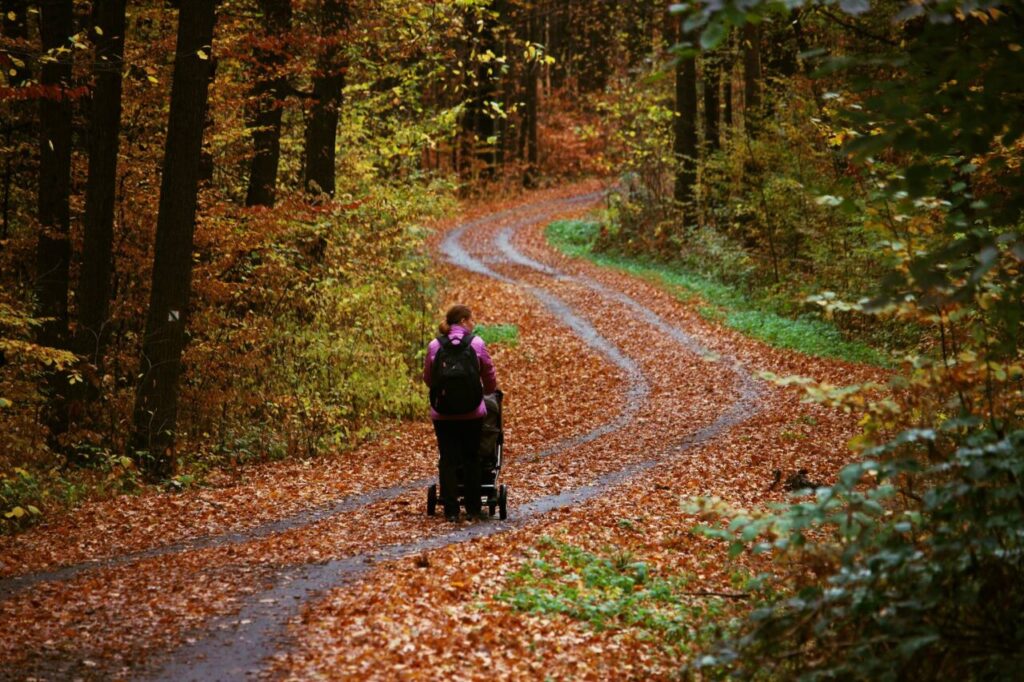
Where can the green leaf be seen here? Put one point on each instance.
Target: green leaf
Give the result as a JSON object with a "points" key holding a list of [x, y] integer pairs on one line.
{"points": [[712, 36]]}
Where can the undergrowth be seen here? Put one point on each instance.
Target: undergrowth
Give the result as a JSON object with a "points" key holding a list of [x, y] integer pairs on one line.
{"points": [[717, 301], [501, 334], [613, 591]]}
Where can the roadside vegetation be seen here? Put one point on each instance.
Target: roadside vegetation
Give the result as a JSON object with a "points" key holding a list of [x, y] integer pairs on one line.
{"points": [[865, 204], [809, 333]]}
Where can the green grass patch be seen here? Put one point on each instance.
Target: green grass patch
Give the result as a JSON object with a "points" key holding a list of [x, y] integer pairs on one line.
{"points": [[505, 334], [719, 302], [612, 590]]}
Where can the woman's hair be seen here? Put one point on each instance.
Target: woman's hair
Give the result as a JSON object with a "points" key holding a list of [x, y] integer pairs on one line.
{"points": [[456, 314]]}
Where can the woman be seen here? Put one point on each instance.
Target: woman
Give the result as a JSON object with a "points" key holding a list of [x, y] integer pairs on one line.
{"points": [[459, 371]]}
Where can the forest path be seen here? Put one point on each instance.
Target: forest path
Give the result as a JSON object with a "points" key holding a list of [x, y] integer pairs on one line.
{"points": [[603, 387]]}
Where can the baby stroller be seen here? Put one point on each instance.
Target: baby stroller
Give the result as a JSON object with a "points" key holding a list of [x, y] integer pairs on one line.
{"points": [[491, 442]]}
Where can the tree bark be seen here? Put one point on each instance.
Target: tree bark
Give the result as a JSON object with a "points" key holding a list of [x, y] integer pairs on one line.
{"points": [[685, 131], [751, 77], [484, 128], [53, 250], [530, 83], [156, 404], [728, 57], [104, 137], [712, 110], [268, 93], [322, 127], [15, 29]]}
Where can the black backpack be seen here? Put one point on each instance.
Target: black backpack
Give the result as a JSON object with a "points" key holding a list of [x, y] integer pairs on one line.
{"points": [[455, 377]]}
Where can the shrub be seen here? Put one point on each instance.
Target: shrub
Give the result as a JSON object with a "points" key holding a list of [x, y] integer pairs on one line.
{"points": [[905, 584]]}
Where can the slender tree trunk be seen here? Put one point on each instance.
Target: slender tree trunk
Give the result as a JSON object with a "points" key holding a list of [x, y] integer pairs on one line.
{"points": [[485, 128], [156, 405], [268, 93], [15, 28], [727, 85], [561, 42], [712, 110], [505, 128], [322, 127], [530, 84], [685, 131], [466, 142], [751, 78], [53, 251], [104, 137]]}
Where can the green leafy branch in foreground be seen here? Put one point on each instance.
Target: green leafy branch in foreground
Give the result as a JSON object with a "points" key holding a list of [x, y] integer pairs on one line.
{"points": [[918, 566], [720, 303], [613, 591]]}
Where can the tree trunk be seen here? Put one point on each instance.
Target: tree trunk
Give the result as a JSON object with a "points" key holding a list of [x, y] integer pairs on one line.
{"points": [[712, 110], [484, 125], [53, 251], [15, 28], [685, 129], [322, 127], [268, 93], [104, 136], [530, 83], [156, 405], [751, 77], [727, 85]]}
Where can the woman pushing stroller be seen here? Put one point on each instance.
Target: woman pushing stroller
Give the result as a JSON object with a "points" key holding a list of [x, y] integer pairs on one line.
{"points": [[459, 371]]}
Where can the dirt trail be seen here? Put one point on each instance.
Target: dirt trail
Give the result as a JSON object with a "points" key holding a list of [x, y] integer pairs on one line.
{"points": [[232, 652], [647, 397]]}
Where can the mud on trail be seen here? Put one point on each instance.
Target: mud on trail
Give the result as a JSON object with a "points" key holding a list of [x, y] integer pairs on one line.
{"points": [[620, 401]]}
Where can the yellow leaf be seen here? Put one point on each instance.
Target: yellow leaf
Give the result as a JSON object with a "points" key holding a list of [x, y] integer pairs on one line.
{"points": [[99, 31], [202, 55], [15, 513]]}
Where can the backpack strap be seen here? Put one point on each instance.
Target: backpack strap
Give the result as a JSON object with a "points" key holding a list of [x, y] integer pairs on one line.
{"points": [[465, 340]]}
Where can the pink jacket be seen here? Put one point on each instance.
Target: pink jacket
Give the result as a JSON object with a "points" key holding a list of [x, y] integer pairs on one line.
{"points": [[487, 375]]}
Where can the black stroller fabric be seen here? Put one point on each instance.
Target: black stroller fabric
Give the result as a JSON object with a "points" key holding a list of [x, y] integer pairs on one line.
{"points": [[491, 432]]}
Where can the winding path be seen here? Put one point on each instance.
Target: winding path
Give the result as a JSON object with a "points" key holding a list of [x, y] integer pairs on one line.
{"points": [[238, 646]]}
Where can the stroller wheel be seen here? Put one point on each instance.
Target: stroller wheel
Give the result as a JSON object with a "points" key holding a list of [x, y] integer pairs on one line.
{"points": [[432, 500], [491, 506], [502, 503]]}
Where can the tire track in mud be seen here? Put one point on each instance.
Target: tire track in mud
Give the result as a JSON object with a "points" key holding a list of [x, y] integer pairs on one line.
{"points": [[238, 646]]}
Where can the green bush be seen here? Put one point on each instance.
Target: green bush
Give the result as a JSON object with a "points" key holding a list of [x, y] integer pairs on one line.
{"points": [[20, 492], [924, 587]]}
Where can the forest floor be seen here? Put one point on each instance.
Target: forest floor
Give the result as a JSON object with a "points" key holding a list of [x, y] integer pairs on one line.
{"points": [[621, 401]]}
